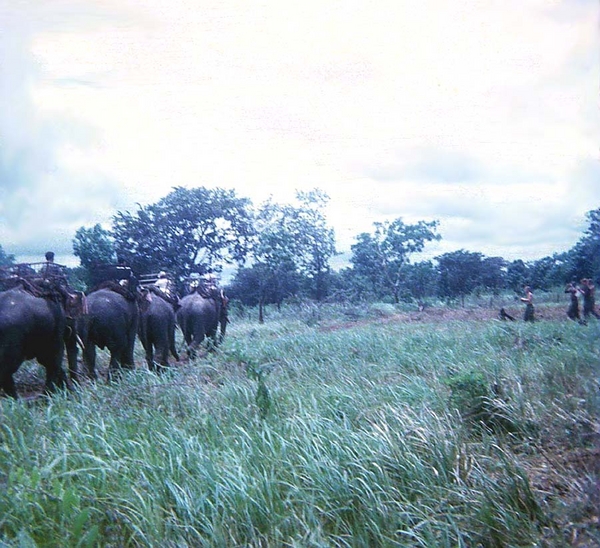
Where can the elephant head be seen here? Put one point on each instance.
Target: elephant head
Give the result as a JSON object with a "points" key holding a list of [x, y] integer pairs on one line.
{"points": [[143, 298], [75, 304]]}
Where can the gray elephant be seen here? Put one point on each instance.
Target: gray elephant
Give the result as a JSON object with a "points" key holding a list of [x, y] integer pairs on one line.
{"points": [[157, 330], [111, 322], [199, 316], [34, 324]]}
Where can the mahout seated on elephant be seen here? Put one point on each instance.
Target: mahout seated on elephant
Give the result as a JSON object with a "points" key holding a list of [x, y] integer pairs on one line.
{"points": [[200, 314], [111, 322], [36, 320]]}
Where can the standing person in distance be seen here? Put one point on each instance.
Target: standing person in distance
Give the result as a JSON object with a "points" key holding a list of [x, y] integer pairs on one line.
{"points": [[573, 310], [528, 299], [589, 300]]}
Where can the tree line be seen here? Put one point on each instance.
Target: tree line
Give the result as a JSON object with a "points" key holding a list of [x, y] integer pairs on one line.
{"points": [[282, 251]]}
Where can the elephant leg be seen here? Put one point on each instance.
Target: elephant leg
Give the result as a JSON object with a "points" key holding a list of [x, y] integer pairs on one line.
{"points": [[11, 361], [89, 359], [173, 349], [55, 374], [191, 345], [55, 378], [193, 349], [50, 357], [71, 345], [171, 343], [212, 340], [163, 355], [127, 358], [114, 366], [7, 383], [150, 357]]}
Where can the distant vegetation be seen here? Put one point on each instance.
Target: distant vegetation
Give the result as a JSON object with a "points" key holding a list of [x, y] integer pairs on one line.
{"points": [[325, 426], [284, 251]]}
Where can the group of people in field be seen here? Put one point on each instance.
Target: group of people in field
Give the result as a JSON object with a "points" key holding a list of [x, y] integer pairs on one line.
{"points": [[585, 289]]}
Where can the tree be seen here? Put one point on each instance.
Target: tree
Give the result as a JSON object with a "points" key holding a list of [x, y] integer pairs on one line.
{"points": [[316, 240], [380, 256], [365, 260], [195, 230], [93, 246], [585, 255], [517, 275], [294, 241], [549, 272], [493, 274], [275, 253], [460, 273], [421, 280], [5, 258]]}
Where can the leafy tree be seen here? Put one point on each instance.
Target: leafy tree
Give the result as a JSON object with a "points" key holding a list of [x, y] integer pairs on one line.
{"points": [[257, 286], [493, 273], [315, 239], [6, 259], [195, 230], [352, 286], [93, 246], [517, 275], [365, 260], [549, 272], [380, 256], [460, 273], [245, 286], [421, 280], [275, 252], [293, 242], [585, 255]]}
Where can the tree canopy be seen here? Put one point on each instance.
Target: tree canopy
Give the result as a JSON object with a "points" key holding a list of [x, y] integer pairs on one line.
{"points": [[293, 243], [94, 246], [380, 256], [284, 250], [195, 230]]}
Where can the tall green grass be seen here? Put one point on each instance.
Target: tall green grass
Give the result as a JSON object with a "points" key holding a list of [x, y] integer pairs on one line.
{"points": [[382, 434]]}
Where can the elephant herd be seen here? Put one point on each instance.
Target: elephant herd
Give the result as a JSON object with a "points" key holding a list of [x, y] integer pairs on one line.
{"points": [[42, 321]]}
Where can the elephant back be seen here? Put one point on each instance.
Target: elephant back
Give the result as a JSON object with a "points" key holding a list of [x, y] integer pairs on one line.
{"points": [[108, 313]]}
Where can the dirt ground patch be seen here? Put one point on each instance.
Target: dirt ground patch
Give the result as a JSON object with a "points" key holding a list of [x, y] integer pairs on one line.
{"points": [[438, 315]]}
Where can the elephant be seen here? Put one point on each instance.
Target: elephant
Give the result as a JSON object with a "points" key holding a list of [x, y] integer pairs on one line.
{"points": [[157, 330], [111, 322], [34, 324], [199, 316]]}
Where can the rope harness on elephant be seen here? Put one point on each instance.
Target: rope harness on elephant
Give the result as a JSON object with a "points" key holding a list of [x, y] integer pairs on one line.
{"points": [[173, 301], [115, 286], [51, 289], [217, 295], [44, 289]]}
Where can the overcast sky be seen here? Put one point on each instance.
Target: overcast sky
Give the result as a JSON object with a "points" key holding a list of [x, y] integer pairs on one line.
{"points": [[482, 114]]}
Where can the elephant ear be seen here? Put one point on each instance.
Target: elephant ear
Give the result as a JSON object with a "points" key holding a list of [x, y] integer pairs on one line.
{"points": [[144, 298], [76, 304]]}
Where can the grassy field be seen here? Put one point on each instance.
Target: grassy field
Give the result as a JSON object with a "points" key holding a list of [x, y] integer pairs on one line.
{"points": [[324, 426]]}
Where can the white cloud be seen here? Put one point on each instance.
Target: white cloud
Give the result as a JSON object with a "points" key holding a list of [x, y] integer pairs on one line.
{"points": [[478, 113]]}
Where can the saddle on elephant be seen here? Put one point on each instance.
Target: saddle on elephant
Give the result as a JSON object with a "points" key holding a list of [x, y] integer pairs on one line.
{"points": [[173, 300], [37, 280], [115, 286]]}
